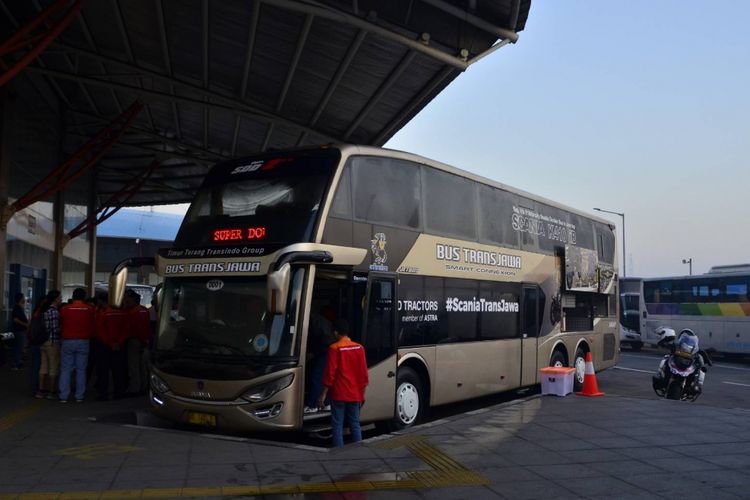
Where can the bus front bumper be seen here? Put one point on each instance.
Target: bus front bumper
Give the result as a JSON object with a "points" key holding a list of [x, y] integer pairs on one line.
{"points": [[279, 414]]}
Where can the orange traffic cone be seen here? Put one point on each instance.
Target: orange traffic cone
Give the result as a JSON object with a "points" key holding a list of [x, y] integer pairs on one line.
{"points": [[590, 388]]}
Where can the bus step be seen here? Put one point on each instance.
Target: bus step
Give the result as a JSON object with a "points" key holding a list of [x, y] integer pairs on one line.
{"points": [[317, 427], [316, 416]]}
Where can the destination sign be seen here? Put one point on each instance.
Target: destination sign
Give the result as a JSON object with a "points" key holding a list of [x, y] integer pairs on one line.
{"points": [[240, 234]]}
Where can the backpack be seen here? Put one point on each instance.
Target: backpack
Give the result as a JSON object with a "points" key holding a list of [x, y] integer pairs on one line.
{"points": [[38, 331]]}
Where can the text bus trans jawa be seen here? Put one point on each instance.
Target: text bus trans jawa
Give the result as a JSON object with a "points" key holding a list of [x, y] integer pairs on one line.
{"points": [[456, 285]]}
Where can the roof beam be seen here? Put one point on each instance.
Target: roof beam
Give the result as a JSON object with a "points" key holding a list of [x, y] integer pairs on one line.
{"points": [[167, 60], [236, 134], [295, 61], [72, 66], [159, 153], [254, 16], [206, 117], [151, 133], [384, 87], [476, 21], [232, 104], [92, 45], [323, 11], [129, 49], [340, 71], [515, 11], [426, 91], [250, 47]]}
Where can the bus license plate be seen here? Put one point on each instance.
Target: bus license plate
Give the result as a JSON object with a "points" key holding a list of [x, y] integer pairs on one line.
{"points": [[205, 419]]}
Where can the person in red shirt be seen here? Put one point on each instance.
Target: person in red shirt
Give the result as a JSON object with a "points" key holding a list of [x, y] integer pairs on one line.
{"points": [[111, 334], [77, 328], [345, 379], [139, 333]]}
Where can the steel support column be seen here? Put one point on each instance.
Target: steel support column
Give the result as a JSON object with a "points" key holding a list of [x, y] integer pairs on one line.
{"points": [[91, 268], [58, 221], [4, 181]]}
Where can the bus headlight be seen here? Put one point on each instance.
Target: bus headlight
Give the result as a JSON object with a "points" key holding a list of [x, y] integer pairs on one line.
{"points": [[158, 384], [267, 390]]}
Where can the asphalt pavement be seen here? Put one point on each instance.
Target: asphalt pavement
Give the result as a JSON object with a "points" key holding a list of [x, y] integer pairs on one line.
{"points": [[627, 444]]}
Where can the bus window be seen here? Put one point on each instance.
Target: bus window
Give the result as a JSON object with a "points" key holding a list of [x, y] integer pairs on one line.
{"points": [[462, 322], [342, 201], [443, 193], [387, 191], [494, 229], [498, 324], [530, 313]]}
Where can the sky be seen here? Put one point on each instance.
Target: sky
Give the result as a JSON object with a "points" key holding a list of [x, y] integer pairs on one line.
{"points": [[636, 106], [632, 106]]}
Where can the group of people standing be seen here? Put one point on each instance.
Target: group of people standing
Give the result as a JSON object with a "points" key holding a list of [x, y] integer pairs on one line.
{"points": [[86, 337]]}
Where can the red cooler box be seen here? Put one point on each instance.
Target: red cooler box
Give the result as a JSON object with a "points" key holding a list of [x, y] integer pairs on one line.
{"points": [[557, 381]]}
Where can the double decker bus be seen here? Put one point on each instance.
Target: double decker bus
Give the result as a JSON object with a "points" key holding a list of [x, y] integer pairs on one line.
{"points": [[457, 286], [715, 305]]}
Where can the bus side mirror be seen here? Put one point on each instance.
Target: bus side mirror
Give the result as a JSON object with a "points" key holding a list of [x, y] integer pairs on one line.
{"points": [[277, 289], [158, 296], [117, 281]]}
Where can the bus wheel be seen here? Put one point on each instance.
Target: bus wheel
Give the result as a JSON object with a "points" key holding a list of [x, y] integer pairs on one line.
{"points": [[558, 360], [579, 363], [409, 398]]}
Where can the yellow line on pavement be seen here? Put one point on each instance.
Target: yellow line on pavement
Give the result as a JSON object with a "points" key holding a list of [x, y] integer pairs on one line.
{"points": [[17, 416], [445, 472]]}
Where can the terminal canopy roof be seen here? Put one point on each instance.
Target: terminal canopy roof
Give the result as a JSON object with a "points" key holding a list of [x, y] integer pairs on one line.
{"points": [[230, 78]]}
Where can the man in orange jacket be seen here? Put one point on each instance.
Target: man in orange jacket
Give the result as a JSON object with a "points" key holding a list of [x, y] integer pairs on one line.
{"points": [[77, 328], [111, 334], [139, 333], [345, 379]]}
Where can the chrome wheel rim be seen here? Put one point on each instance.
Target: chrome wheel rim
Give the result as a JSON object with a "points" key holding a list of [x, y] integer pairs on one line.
{"points": [[580, 369], [558, 364], [408, 403]]}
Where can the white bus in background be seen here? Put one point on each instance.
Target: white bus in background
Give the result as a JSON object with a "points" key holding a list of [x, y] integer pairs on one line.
{"points": [[715, 305], [632, 309]]}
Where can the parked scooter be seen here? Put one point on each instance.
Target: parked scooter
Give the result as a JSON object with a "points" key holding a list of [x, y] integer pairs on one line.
{"points": [[681, 372]]}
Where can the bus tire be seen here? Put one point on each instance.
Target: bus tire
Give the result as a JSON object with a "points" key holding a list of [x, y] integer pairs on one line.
{"points": [[410, 400], [579, 363], [558, 359]]}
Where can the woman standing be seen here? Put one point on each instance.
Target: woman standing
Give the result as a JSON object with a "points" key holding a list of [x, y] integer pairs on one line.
{"points": [[19, 324]]}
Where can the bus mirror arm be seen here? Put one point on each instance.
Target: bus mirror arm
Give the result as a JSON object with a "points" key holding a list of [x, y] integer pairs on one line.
{"points": [[277, 289], [312, 257], [119, 278], [277, 284]]}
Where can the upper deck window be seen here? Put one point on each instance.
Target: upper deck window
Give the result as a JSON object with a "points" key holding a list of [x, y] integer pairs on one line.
{"points": [[275, 199], [450, 204], [386, 191]]}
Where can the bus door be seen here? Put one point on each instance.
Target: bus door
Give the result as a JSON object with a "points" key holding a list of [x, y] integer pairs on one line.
{"points": [[529, 334], [379, 340]]}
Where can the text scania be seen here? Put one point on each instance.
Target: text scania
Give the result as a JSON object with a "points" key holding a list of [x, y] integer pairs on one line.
{"points": [[213, 267], [454, 304], [474, 256]]}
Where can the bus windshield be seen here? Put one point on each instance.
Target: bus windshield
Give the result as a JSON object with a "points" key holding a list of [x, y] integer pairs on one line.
{"points": [[269, 200], [225, 318]]}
